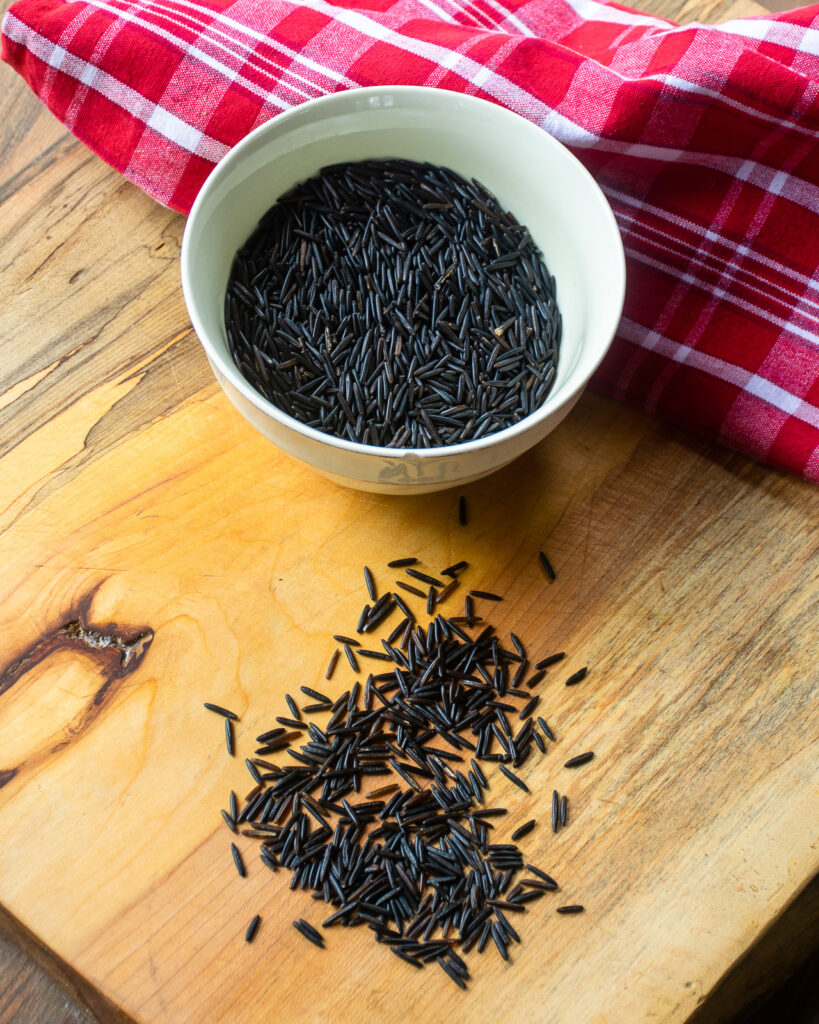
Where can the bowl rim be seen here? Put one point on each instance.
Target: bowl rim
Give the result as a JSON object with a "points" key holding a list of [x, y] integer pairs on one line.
{"points": [[229, 370]]}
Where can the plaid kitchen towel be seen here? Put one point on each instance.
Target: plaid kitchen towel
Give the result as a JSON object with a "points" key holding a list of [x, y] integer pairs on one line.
{"points": [[703, 138]]}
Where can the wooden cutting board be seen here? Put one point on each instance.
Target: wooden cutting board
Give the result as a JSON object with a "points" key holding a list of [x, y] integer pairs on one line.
{"points": [[158, 553]]}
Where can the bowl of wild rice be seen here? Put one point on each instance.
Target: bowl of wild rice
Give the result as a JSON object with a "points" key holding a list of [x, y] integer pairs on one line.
{"points": [[404, 287]]}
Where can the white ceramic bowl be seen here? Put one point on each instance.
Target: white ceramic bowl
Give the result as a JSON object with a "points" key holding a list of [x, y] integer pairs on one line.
{"points": [[532, 175]]}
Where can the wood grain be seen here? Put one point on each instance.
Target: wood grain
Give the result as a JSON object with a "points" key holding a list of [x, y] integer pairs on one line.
{"points": [[789, 948], [134, 501], [39, 981], [28, 994]]}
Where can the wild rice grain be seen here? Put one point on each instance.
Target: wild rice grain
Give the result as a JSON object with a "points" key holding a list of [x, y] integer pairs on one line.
{"points": [[513, 778], [577, 676], [529, 895], [332, 666], [424, 578], [551, 660], [292, 723], [254, 771], [524, 830], [547, 732], [316, 695], [237, 860], [547, 565], [541, 875], [517, 644], [351, 658], [575, 762], [529, 707], [252, 929], [403, 607], [368, 579], [382, 791], [222, 711], [309, 932]]}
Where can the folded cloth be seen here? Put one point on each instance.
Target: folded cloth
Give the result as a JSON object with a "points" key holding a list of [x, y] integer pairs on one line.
{"points": [[703, 138]]}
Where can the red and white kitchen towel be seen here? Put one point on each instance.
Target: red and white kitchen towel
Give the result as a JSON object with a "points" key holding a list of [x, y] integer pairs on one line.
{"points": [[703, 138]]}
